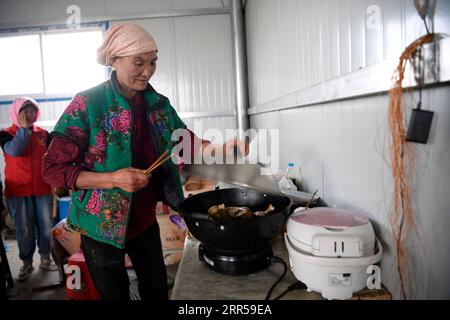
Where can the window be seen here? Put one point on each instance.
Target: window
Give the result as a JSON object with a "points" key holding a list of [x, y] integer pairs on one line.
{"points": [[50, 63], [70, 62], [20, 62]]}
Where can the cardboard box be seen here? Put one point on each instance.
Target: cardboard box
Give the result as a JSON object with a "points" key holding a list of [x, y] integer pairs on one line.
{"points": [[172, 257], [172, 237], [161, 208]]}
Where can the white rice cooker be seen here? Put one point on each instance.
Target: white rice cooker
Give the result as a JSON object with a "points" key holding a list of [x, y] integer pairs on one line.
{"points": [[331, 249]]}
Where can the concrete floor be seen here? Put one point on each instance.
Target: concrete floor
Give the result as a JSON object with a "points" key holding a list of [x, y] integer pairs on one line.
{"points": [[24, 290]]}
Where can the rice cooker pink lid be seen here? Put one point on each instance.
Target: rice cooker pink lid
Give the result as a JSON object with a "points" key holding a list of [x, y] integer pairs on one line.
{"points": [[330, 218]]}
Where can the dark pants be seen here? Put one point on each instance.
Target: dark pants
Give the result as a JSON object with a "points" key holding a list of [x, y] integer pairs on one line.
{"points": [[106, 265]]}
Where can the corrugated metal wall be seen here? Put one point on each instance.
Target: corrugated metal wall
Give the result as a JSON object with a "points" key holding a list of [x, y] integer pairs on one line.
{"points": [[24, 12], [342, 146], [331, 37]]}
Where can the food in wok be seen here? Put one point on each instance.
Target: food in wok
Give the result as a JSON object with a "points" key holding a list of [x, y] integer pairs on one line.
{"points": [[222, 212]]}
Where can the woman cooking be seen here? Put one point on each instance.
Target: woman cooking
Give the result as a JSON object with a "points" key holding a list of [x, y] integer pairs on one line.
{"points": [[102, 144]]}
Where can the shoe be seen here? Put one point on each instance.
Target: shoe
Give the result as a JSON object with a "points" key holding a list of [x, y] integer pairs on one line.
{"points": [[25, 272], [47, 264]]}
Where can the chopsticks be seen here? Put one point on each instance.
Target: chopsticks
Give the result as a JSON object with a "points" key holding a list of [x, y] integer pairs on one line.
{"points": [[158, 162], [310, 200]]}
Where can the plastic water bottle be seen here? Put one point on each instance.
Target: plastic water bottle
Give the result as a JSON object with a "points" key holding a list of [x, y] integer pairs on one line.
{"points": [[287, 181], [293, 173]]}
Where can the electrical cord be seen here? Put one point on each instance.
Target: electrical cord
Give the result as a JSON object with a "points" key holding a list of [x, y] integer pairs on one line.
{"points": [[417, 61], [276, 259], [423, 11], [295, 286]]}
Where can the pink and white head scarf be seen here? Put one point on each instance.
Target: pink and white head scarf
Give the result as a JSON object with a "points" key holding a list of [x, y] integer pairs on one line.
{"points": [[18, 104], [123, 40]]}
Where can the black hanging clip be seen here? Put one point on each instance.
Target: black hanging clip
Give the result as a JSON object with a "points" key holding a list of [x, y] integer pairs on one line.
{"points": [[419, 125]]}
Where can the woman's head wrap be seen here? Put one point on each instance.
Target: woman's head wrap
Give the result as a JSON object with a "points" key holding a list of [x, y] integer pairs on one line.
{"points": [[124, 40]]}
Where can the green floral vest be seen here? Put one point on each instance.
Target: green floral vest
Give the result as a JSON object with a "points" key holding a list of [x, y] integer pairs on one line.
{"points": [[99, 121]]}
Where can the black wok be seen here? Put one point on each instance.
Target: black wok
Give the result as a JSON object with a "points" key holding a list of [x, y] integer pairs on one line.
{"points": [[235, 234]]}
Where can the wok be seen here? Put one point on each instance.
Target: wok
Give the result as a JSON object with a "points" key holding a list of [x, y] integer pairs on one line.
{"points": [[235, 234]]}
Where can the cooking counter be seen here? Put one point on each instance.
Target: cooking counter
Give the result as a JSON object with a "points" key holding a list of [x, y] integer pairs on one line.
{"points": [[196, 281]]}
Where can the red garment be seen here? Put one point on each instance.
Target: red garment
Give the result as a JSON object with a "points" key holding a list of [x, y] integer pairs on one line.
{"points": [[61, 163], [144, 201], [23, 176]]}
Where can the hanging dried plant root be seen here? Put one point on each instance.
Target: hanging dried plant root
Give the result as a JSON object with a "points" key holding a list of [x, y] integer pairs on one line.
{"points": [[402, 161]]}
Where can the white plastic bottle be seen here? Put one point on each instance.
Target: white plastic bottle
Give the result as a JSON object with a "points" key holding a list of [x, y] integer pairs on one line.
{"points": [[293, 173], [287, 181]]}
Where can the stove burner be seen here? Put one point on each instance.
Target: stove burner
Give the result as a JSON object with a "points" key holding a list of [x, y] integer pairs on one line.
{"points": [[236, 262]]}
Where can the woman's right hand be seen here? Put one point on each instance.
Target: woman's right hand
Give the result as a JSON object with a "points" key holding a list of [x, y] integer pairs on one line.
{"points": [[22, 120], [130, 179]]}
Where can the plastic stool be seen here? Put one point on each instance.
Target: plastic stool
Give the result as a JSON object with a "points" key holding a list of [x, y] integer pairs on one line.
{"points": [[87, 290]]}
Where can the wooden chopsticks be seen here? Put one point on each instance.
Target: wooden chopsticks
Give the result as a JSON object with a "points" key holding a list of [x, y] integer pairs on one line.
{"points": [[310, 200], [158, 162]]}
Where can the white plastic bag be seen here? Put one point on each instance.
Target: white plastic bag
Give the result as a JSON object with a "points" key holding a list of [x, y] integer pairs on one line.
{"points": [[286, 184]]}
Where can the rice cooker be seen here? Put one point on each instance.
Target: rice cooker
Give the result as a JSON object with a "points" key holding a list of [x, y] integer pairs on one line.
{"points": [[331, 249]]}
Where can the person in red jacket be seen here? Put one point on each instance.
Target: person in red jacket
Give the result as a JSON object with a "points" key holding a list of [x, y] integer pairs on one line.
{"points": [[28, 197]]}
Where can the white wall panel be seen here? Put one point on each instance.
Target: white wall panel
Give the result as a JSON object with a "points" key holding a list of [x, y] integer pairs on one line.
{"points": [[324, 39], [441, 19], [345, 44], [25, 12], [343, 146], [266, 50], [373, 28], [200, 125], [285, 49], [311, 16], [343, 150], [4, 116], [253, 65], [357, 38], [331, 35], [353, 142], [431, 198], [392, 29], [198, 4], [204, 63], [301, 142], [194, 74]]}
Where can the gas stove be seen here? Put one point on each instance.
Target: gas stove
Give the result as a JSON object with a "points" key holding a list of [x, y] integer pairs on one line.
{"points": [[236, 262]]}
